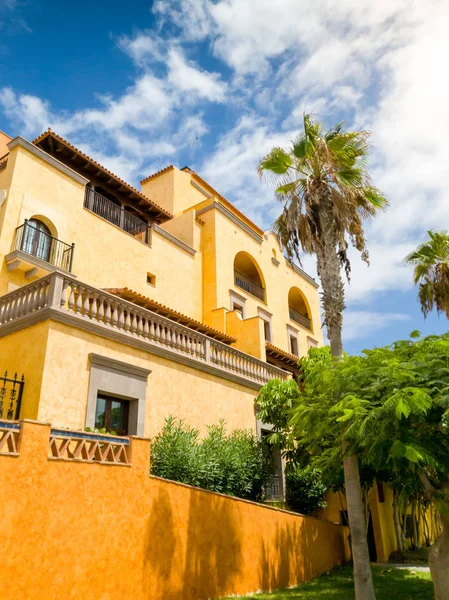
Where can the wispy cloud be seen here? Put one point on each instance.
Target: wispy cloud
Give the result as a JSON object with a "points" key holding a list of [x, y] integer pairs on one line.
{"points": [[379, 65]]}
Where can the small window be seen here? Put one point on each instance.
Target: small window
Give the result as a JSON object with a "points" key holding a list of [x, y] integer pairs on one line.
{"points": [[238, 308], [294, 345], [151, 279], [267, 330], [112, 414]]}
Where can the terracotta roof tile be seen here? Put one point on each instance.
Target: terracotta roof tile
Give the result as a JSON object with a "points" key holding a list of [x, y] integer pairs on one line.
{"points": [[213, 192], [141, 300], [272, 349], [72, 147]]}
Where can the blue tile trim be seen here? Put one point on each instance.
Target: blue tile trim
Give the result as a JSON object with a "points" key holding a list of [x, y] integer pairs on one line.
{"points": [[85, 435], [9, 425]]}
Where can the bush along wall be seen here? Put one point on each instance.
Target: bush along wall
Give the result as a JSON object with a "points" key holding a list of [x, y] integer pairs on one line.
{"points": [[234, 463]]}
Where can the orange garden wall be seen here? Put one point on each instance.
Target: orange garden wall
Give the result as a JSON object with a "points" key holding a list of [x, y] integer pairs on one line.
{"points": [[77, 530]]}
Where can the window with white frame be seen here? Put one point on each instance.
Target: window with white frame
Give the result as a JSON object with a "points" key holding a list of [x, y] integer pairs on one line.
{"points": [[266, 318], [237, 303]]}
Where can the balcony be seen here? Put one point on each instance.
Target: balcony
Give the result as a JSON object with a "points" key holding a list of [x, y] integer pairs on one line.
{"points": [[249, 286], [299, 318], [108, 210], [63, 298], [38, 253]]}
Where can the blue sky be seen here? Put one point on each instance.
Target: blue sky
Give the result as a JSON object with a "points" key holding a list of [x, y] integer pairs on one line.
{"points": [[214, 84]]}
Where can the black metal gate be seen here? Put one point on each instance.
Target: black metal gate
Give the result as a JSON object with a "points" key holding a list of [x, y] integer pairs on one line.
{"points": [[11, 391]]}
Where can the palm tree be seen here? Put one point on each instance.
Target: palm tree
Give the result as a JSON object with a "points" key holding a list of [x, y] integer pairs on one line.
{"points": [[431, 262], [326, 192]]}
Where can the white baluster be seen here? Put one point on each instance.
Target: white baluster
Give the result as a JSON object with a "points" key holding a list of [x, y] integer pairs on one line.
{"points": [[79, 299], [71, 301], [108, 313], [134, 322]]}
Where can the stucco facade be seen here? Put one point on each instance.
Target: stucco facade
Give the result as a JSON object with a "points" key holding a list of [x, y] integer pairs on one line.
{"points": [[67, 223]]}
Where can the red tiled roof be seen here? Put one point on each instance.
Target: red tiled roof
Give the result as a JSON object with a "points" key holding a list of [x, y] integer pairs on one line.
{"points": [[213, 192], [141, 300], [151, 203], [276, 352]]}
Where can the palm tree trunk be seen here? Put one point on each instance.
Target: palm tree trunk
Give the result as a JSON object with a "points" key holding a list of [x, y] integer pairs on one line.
{"points": [[439, 563], [328, 264]]}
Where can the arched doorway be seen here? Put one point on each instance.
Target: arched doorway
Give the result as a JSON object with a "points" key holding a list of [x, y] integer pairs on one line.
{"points": [[248, 276], [298, 308], [36, 239]]}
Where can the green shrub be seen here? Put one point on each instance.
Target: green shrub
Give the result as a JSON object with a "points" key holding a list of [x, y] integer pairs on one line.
{"points": [[236, 464], [305, 491]]}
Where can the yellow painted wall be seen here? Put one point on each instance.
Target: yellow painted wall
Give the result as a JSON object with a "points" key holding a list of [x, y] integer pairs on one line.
{"points": [[73, 530], [249, 334], [222, 239], [228, 239], [382, 513], [24, 352], [172, 389], [4, 139], [105, 256]]}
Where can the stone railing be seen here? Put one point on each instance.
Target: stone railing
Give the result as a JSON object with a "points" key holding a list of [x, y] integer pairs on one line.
{"points": [[9, 438], [66, 295], [89, 447]]}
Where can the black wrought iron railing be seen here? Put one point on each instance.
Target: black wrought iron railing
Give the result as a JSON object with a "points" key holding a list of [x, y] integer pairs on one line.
{"points": [[300, 318], [105, 208], [273, 490], [3, 162], [38, 243], [11, 390], [249, 286]]}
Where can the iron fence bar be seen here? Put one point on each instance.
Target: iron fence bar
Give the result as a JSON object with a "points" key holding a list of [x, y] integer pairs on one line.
{"points": [[14, 400], [38, 243], [118, 216], [249, 286], [299, 318]]}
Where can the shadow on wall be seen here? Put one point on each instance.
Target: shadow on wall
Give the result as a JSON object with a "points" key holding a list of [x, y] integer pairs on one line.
{"points": [[198, 560], [282, 565]]}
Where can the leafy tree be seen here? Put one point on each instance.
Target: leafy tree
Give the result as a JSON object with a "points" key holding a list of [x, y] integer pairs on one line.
{"points": [[305, 490], [236, 464], [431, 262], [394, 404], [324, 186]]}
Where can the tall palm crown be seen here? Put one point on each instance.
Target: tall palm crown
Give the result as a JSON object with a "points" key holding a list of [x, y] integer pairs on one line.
{"points": [[326, 191], [323, 173], [431, 262]]}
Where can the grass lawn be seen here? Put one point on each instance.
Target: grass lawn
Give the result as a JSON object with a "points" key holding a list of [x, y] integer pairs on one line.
{"points": [[393, 584]]}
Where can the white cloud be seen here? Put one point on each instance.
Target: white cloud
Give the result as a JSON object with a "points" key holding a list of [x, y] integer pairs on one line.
{"points": [[187, 77], [360, 324], [381, 65]]}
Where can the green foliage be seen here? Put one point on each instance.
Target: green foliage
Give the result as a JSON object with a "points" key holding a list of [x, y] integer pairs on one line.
{"points": [[235, 464], [322, 175], [394, 584], [103, 431], [305, 490], [431, 270], [390, 405]]}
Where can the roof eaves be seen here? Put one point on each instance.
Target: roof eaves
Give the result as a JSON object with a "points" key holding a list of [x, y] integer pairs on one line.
{"points": [[97, 164]]}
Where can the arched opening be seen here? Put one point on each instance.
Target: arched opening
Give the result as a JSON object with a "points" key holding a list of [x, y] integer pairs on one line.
{"points": [[298, 308], [247, 275], [36, 239]]}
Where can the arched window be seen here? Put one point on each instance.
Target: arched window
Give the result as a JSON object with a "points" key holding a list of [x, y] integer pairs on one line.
{"points": [[36, 239], [298, 309], [247, 275]]}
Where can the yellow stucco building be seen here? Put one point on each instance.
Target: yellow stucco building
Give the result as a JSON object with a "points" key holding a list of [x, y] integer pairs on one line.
{"points": [[123, 306]]}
